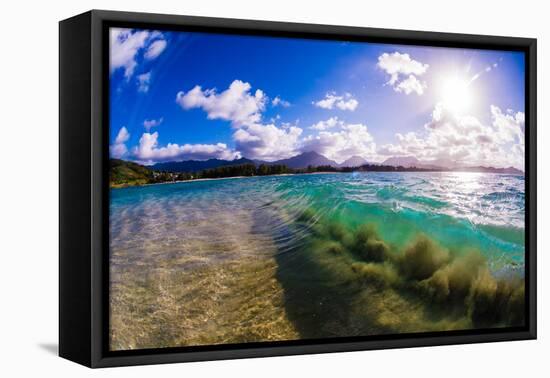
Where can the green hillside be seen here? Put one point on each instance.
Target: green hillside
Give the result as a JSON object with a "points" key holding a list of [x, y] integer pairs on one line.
{"points": [[126, 173]]}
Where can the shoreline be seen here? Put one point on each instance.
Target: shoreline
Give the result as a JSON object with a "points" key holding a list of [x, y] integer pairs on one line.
{"points": [[295, 174], [221, 178]]}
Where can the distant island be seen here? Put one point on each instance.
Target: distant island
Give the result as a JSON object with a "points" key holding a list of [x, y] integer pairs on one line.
{"points": [[124, 173]]}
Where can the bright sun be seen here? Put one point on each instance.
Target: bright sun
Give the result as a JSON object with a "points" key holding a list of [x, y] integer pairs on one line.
{"points": [[456, 94]]}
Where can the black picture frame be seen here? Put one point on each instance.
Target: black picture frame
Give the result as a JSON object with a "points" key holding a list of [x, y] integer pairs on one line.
{"points": [[84, 191]]}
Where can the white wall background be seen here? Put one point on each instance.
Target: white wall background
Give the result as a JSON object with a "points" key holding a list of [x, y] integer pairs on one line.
{"points": [[29, 186]]}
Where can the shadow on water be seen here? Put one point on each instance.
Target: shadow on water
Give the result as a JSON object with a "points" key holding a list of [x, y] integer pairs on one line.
{"points": [[342, 282], [319, 292], [317, 302]]}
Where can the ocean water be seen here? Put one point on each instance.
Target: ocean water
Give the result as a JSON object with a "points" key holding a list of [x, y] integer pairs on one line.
{"points": [[244, 259]]}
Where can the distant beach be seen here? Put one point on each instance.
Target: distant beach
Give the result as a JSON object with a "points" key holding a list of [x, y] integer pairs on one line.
{"points": [[223, 178]]}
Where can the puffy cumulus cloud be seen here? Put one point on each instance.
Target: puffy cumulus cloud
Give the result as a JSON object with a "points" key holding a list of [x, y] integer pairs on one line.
{"points": [[278, 101], [118, 149], [511, 125], [267, 142], [399, 65], [143, 82], [126, 45], [409, 144], [410, 85], [456, 140], [150, 123], [243, 107], [332, 100], [450, 130], [351, 140], [122, 136], [327, 124], [148, 151], [236, 104]]}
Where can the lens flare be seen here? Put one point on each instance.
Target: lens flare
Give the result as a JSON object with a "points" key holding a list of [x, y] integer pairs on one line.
{"points": [[456, 94]]}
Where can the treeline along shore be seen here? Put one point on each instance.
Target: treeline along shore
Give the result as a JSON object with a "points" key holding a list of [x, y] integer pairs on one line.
{"points": [[124, 173]]}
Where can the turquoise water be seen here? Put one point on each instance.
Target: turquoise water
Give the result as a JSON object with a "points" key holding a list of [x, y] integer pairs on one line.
{"points": [[460, 210], [288, 257]]}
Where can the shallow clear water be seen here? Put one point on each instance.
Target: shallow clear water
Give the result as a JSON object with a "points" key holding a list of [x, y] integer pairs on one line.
{"points": [[460, 210], [220, 226]]}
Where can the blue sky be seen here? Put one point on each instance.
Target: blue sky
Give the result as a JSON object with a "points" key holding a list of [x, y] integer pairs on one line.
{"points": [[179, 96]]}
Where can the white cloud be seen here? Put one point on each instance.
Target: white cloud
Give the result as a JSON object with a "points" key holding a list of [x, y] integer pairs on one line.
{"points": [[122, 136], [235, 104], [288, 125], [148, 150], [150, 123], [276, 118], [155, 49], [243, 108], [409, 144], [327, 124], [510, 125], [398, 65], [267, 142], [277, 101], [118, 149], [126, 45], [451, 139], [351, 140], [331, 100], [255, 140], [143, 82], [411, 84]]}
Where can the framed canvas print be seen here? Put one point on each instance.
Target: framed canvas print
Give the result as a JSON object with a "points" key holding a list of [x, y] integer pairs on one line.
{"points": [[234, 188]]}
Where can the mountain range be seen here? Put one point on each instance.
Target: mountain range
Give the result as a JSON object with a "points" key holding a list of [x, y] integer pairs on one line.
{"points": [[413, 162], [302, 160], [354, 161], [314, 159]]}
